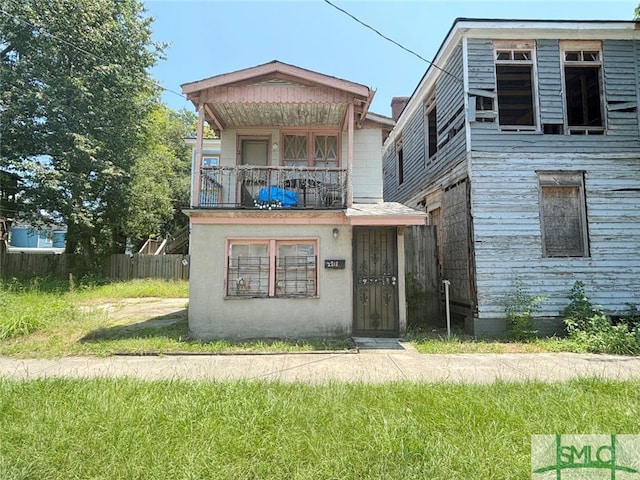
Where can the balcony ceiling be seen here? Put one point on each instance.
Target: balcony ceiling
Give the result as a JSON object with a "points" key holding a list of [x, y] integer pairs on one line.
{"points": [[277, 94]]}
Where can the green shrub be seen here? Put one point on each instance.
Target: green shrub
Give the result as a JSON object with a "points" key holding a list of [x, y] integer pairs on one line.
{"points": [[589, 326], [519, 308]]}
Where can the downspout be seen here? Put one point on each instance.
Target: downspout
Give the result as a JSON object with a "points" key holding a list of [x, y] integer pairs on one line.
{"points": [[195, 200], [350, 121]]}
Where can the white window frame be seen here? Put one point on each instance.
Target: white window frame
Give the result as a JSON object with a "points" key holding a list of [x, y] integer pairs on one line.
{"points": [[516, 49], [581, 47]]}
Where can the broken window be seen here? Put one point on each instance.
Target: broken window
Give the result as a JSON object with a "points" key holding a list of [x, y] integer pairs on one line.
{"points": [[431, 128], [583, 87], [563, 214], [515, 85], [400, 162]]}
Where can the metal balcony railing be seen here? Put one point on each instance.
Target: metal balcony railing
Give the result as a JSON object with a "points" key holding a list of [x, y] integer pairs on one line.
{"points": [[248, 186]]}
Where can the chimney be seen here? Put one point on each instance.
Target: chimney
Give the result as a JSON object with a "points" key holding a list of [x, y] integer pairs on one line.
{"points": [[397, 105]]}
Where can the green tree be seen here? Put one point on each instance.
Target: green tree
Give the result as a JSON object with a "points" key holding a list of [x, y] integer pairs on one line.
{"points": [[75, 86], [160, 184]]}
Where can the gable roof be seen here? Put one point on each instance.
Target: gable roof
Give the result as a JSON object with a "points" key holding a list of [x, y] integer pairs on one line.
{"points": [[278, 94]]}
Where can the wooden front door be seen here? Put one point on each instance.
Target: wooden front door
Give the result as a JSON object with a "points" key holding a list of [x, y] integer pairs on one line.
{"points": [[375, 296]]}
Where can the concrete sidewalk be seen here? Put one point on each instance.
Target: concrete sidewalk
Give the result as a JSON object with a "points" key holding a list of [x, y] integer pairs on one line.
{"points": [[373, 364]]}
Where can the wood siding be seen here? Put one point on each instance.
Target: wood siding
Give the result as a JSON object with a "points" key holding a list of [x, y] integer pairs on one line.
{"points": [[508, 237], [418, 169], [620, 74]]}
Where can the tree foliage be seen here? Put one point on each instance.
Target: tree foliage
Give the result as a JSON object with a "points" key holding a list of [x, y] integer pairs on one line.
{"points": [[160, 178], [75, 94]]}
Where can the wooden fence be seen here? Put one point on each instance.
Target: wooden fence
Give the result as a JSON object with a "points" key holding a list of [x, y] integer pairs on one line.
{"points": [[422, 276], [127, 267], [118, 267]]}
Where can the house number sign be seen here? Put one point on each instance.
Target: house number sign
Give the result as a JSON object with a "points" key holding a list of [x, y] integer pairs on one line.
{"points": [[338, 264]]}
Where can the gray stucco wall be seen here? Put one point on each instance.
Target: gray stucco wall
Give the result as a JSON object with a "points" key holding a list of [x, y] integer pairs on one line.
{"points": [[211, 315]]}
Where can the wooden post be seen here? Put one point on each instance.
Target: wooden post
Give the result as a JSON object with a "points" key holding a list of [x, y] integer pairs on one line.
{"points": [[195, 199], [350, 121]]}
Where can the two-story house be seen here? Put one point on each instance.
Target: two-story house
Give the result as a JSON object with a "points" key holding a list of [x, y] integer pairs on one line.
{"points": [[521, 142], [290, 236]]}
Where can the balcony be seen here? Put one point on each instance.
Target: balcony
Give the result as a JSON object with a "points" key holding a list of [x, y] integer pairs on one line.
{"points": [[269, 188]]}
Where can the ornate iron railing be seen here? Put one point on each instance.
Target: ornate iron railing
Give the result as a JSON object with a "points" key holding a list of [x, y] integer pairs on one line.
{"points": [[248, 186]]}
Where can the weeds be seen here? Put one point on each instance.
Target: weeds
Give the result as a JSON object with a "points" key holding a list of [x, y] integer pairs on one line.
{"points": [[589, 326], [520, 307]]}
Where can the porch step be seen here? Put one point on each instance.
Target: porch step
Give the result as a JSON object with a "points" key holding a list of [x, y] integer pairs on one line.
{"points": [[379, 343]]}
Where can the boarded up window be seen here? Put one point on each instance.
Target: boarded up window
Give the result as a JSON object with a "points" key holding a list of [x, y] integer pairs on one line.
{"points": [[563, 216]]}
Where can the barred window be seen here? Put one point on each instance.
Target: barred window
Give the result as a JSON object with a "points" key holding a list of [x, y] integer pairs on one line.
{"points": [[310, 149], [272, 268]]}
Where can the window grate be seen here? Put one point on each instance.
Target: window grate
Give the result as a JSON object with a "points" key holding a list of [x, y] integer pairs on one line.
{"points": [[296, 276], [248, 277]]}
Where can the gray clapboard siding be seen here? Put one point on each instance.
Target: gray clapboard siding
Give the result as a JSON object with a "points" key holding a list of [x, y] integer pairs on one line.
{"points": [[620, 74], [549, 82], [480, 64], [507, 237], [450, 117]]}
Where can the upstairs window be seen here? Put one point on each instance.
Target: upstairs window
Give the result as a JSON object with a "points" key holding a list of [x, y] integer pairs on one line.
{"points": [[400, 162], [431, 128], [295, 150], [515, 85], [582, 65], [310, 150], [325, 151]]}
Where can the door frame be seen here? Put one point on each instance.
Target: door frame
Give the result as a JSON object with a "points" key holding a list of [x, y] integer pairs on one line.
{"points": [[242, 138], [395, 332]]}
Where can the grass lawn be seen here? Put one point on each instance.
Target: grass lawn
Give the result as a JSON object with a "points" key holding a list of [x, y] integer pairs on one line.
{"points": [[130, 429], [460, 343], [48, 318]]}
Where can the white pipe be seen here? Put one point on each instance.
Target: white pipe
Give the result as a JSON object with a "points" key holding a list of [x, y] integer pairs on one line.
{"points": [[446, 297]]}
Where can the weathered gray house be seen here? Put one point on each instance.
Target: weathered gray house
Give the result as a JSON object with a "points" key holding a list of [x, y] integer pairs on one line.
{"points": [[522, 144]]}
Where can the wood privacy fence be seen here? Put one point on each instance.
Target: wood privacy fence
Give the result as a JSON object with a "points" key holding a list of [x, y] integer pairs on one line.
{"points": [[118, 267], [127, 267], [422, 276]]}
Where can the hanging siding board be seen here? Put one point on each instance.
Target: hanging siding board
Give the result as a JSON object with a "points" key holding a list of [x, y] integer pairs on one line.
{"points": [[549, 81]]}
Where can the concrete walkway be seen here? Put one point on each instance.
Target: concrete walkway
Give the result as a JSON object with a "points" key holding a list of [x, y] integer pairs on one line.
{"points": [[375, 362]]}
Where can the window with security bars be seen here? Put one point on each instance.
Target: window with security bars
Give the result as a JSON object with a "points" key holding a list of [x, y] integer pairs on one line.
{"points": [[310, 149], [248, 270], [272, 268], [296, 270], [295, 150], [325, 151]]}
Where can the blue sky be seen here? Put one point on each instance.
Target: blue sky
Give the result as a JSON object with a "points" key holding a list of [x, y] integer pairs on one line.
{"points": [[211, 37]]}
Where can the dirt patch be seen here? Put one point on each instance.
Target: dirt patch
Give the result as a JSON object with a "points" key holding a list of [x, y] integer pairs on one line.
{"points": [[149, 311]]}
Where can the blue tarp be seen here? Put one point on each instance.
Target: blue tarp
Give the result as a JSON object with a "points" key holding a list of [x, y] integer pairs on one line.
{"points": [[273, 194]]}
